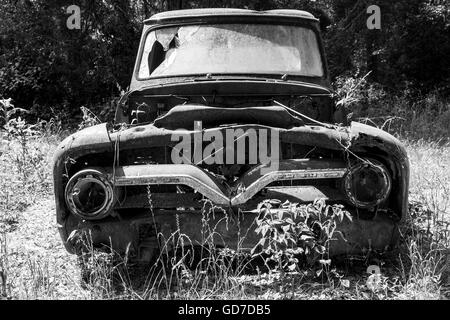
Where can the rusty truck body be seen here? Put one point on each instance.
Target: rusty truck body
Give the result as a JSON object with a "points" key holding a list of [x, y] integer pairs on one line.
{"points": [[205, 71]]}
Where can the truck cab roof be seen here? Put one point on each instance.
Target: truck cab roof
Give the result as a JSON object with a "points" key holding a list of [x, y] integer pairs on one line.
{"points": [[189, 14]]}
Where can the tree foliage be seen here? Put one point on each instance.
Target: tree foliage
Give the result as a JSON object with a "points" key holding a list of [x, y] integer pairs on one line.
{"points": [[45, 67]]}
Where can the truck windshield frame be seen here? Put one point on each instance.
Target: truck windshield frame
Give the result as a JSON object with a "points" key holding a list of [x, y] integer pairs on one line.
{"points": [[230, 49]]}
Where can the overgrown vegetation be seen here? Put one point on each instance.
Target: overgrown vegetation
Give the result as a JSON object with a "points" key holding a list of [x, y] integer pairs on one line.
{"points": [[302, 269], [290, 231], [51, 77], [25, 151], [409, 115]]}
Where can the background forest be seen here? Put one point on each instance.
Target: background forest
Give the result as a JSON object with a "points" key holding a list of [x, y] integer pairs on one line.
{"points": [[53, 71]]}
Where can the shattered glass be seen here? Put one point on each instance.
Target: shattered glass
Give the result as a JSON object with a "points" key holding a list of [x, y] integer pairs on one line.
{"points": [[231, 49]]}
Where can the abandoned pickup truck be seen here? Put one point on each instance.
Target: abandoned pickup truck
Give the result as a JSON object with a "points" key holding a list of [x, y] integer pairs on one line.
{"points": [[227, 108]]}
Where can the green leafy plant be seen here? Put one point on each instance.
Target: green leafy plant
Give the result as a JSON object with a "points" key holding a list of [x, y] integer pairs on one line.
{"points": [[25, 154], [7, 111], [89, 119], [26, 158], [292, 233]]}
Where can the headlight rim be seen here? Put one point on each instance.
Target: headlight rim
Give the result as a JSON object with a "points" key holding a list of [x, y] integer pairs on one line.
{"points": [[96, 176], [347, 182]]}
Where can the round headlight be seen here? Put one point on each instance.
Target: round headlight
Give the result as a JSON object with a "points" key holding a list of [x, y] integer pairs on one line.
{"points": [[89, 194], [367, 183]]}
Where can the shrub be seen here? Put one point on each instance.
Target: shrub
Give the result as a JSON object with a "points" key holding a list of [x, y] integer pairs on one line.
{"points": [[290, 231]]}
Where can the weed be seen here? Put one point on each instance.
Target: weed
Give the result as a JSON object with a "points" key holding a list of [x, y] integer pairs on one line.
{"points": [[89, 119], [295, 231], [7, 111]]}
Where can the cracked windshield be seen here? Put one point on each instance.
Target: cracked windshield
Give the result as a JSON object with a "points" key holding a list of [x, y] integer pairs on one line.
{"points": [[231, 49]]}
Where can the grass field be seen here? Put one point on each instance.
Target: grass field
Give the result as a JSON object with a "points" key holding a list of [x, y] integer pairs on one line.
{"points": [[34, 263]]}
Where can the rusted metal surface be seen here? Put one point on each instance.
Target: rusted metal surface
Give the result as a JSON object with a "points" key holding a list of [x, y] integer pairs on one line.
{"points": [[374, 168], [184, 174], [294, 194], [299, 169], [184, 116], [357, 137], [230, 230], [250, 184], [318, 170], [211, 12], [161, 200], [75, 186]]}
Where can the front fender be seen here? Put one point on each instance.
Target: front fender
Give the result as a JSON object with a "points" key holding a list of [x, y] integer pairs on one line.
{"points": [[368, 139]]}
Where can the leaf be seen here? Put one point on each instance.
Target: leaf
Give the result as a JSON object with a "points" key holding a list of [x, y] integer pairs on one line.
{"points": [[285, 204], [286, 228], [262, 242], [345, 283], [264, 229], [291, 267], [282, 238], [348, 215], [305, 237], [325, 262], [320, 249], [289, 221], [280, 214]]}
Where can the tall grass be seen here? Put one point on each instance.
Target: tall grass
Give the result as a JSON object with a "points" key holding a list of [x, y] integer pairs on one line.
{"points": [[427, 233], [408, 115], [182, 270]]}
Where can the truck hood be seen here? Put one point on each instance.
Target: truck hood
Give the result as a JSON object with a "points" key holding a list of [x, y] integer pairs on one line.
{"points": [[184, 116], [355, 137]]}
